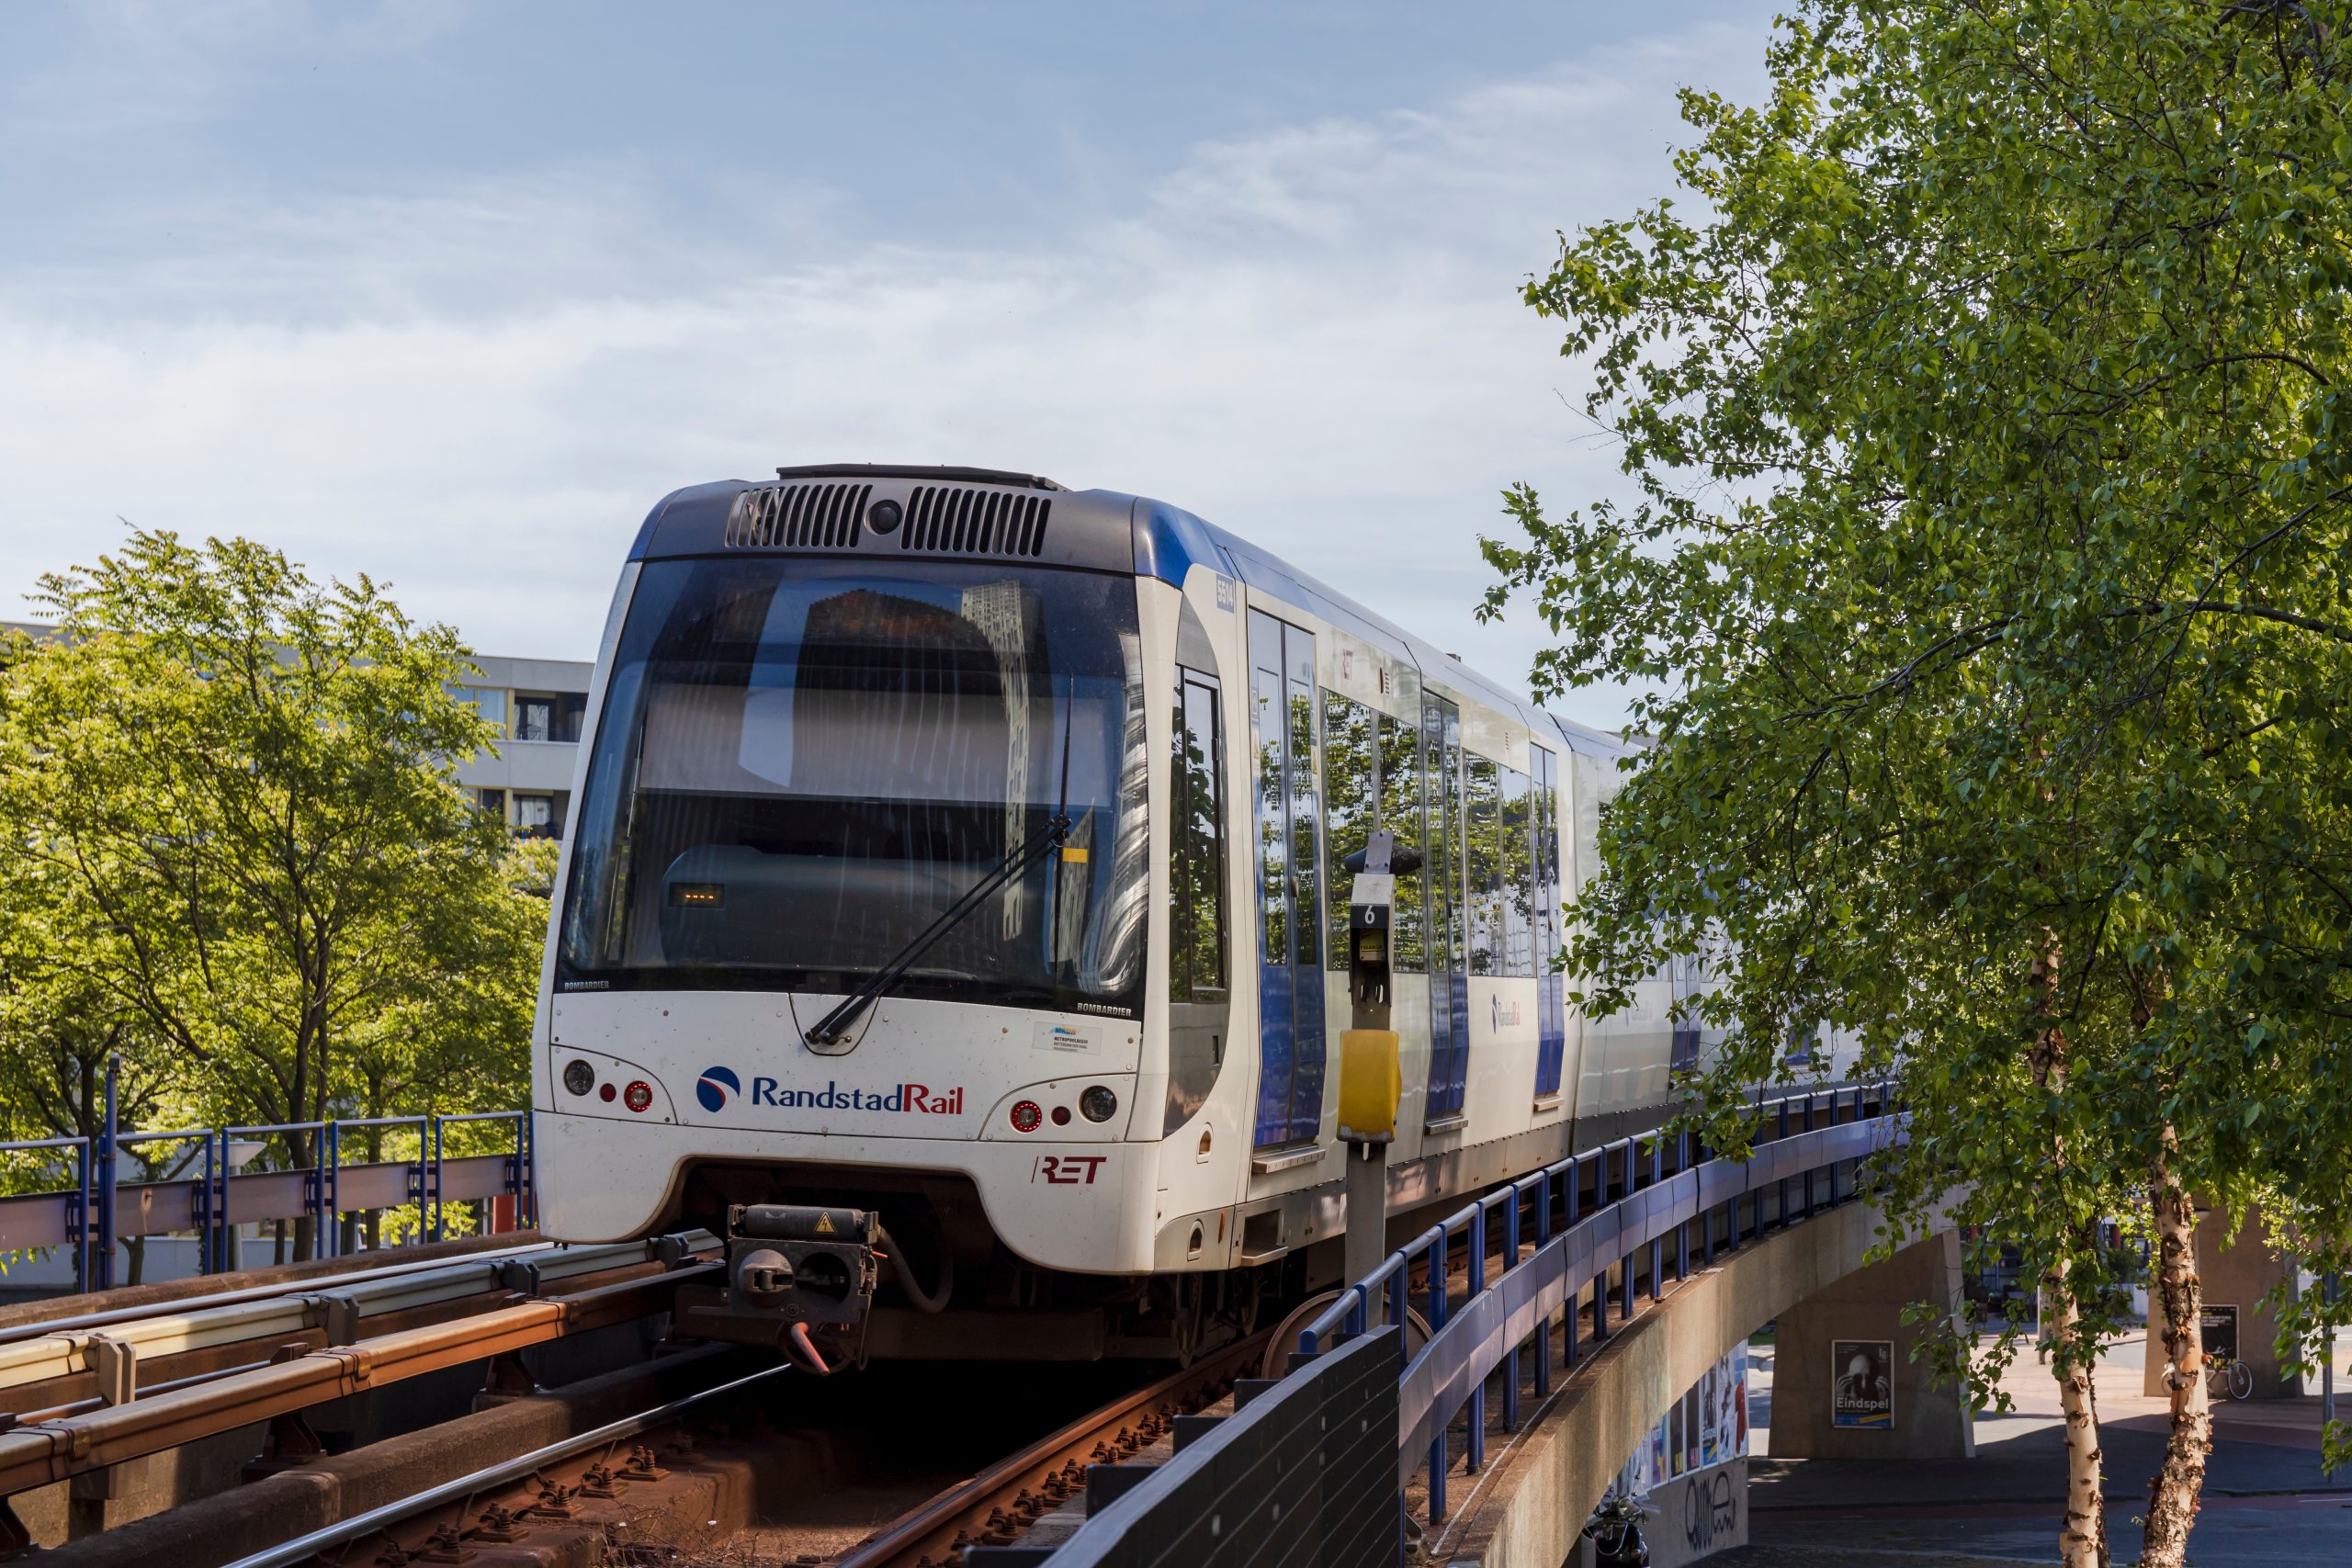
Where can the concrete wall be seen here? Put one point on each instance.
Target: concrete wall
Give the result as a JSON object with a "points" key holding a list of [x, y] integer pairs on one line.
{"points": [[1533, 1515], [1929, 1419], [2237, 1269]]}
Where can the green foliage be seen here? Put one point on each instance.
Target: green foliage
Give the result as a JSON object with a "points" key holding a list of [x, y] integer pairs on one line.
{"points": [[1987, 565], [241, 860]]}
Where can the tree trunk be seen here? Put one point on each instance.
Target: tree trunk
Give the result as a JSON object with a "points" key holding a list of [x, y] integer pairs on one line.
{"points": [[2082, 1539], [2179, 1295]]}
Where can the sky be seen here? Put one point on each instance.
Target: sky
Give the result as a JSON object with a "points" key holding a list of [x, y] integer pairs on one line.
{"points": [[450, 294]]}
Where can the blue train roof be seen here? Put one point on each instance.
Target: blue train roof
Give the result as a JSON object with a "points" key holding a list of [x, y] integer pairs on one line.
{"points": [[993, 514]]}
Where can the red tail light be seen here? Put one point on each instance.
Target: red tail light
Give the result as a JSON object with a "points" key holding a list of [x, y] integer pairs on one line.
{"points": [[637, 1095], [1026, 1117]]}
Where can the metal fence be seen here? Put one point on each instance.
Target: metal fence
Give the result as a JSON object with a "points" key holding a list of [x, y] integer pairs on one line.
{"points": [[1615, 1207], [1300, 1477], [100, 1210]]}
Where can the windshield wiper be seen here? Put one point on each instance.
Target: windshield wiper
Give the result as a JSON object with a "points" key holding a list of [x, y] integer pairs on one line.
{"points": [[835, 1025]]}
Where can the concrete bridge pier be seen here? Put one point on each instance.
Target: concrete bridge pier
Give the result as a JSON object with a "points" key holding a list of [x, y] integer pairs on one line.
{"points": [[1844, 1383], [2236, 1270]]}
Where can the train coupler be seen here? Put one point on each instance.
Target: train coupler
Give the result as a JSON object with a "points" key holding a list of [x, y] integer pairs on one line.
{"points": [[790, 1268]]}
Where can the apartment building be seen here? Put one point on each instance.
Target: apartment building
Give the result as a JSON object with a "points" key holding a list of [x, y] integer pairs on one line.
{"points": [[538, 705]]}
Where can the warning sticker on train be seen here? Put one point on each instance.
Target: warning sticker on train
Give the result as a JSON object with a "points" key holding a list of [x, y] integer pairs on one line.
{"points": [[1075, 1040]]}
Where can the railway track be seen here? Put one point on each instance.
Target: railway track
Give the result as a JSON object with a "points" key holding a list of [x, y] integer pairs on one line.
{"points": [[736, 1466], [710, 1480], [1001, 1504], [88, 1393]]}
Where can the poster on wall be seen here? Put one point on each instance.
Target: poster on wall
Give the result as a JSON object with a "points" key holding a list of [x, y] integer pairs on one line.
{"points": [[1862, 1383], [1711, 1424], [2218, 1325]]}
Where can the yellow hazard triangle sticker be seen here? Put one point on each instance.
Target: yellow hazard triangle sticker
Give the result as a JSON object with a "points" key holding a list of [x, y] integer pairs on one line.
{"points": [[824, 1224]]}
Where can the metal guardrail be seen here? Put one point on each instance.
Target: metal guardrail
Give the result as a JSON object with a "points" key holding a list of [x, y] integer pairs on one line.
{"points": [[1811, 1161], [100, 1210]]}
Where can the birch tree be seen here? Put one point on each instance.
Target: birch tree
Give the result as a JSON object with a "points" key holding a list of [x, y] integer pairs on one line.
{"points": [[1984, 562]]}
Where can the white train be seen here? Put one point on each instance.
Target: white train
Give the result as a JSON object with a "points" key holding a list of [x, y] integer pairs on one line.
{"points": [[1108, 758]]}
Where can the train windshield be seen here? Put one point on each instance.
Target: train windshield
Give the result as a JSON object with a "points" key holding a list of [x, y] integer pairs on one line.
{"points": [[802, 763]]}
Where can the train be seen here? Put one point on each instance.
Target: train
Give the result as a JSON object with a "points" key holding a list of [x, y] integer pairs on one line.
{"points": [[954, 920]]}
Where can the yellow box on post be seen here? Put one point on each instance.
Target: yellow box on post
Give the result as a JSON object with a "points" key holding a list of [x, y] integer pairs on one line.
{"points": [[1372, 1082]]}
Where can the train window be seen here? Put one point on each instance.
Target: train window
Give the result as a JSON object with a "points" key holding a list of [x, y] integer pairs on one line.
{"points": [[1442, 850], [1518, 876], [1199, 1013], [1484, 863], [1196, 844], [1306, 864], [1400, 813], [1372, 779], [1441, 754], [845, 747], [1351, 804], [1273, 839]]}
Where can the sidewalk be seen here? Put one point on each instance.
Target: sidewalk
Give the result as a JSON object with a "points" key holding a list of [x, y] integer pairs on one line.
{"points": [[2264, 1501]]}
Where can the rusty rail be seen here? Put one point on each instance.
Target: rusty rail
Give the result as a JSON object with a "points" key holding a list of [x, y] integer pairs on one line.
{"points": [[45, 1452], [996, 1505], [481, 1484]]}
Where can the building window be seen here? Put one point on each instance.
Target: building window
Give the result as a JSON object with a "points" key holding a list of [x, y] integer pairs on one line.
{"points": [[550, 715], [493, 802], [488, 701], [536, 817]]}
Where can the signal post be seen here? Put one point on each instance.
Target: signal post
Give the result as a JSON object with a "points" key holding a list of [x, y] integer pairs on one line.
{"points": [[1371, 1079]]}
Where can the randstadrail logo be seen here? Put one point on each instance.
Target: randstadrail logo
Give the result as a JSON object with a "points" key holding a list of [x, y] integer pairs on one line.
{"points": [[717, 1086]]}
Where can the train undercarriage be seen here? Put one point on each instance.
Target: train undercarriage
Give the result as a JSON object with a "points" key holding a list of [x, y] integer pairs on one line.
{"points": [[905, 1267]]}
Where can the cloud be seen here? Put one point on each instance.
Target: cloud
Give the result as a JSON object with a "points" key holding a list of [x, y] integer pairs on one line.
{"points": [[1312, 336]]}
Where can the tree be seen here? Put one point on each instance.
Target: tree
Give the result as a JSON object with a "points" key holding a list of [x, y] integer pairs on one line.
{"points": [[1985, 561], [232, 787]]}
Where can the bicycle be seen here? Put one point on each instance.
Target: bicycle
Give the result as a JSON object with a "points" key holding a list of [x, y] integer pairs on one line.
{"points": [[2227, 1374]]}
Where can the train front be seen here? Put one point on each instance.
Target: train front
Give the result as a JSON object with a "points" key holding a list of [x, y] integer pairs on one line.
{"points": [[849, 964]]}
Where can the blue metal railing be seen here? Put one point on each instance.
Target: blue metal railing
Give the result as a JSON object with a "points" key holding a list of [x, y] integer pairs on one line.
{"points": [[1497, 1318], [88, 1218], [1612, 1207]]}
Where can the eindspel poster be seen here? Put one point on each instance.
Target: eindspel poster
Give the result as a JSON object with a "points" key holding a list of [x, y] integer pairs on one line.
{"points": [[1862, 1383]]}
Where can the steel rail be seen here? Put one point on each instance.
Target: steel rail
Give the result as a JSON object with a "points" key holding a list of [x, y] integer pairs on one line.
{"points": [[39, 1453], [206, 1302], [1015, 1493], [299, 1307], [507, 1472]]}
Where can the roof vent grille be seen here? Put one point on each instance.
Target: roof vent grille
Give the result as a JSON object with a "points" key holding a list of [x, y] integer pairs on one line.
{"points": [[975, 522], [798, 516]]}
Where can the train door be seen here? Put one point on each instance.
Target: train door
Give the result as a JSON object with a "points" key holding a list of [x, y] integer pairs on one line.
{"points": [[1551, 986], [1289, 949], [1449, 945], [1198, 989]]}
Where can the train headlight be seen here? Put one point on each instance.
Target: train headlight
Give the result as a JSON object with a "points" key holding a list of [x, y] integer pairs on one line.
{"points": [[883, 516], [1098, 1105], [578, 1076]]}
